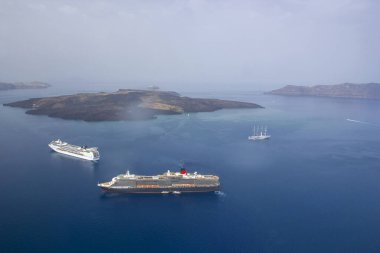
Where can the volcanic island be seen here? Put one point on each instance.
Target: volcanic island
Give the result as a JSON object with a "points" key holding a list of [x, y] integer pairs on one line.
{"points": [[124, 104]]}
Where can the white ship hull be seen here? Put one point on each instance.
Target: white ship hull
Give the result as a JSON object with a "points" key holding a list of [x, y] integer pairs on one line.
{"points": [[90, 154], [258, 138]]}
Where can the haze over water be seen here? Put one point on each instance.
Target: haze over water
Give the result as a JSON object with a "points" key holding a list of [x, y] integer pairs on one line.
{"points": [[312, 188], [193, 44]]}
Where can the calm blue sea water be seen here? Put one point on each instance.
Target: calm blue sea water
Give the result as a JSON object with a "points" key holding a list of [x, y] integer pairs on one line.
{"points": [[314, 187]]}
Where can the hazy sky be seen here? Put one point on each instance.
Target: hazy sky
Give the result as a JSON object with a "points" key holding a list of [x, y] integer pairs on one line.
{"points": [[191, 43]]}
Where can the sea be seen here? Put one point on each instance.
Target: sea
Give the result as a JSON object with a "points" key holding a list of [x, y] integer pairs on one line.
{"points": [[313, 187]]}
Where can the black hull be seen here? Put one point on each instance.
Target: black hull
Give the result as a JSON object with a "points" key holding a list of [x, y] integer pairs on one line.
{"points": [[162, 190]]}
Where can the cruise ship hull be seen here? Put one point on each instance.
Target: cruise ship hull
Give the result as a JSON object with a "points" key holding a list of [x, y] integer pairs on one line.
{"points": [[161, 190]]}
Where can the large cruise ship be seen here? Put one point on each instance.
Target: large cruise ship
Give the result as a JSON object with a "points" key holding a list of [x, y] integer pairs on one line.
{"points": [[169, 182], [84, 152]]}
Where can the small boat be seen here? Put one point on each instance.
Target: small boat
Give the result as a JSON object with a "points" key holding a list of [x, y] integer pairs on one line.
{"points": [[259, 133], [176, 192], [165, 192]]}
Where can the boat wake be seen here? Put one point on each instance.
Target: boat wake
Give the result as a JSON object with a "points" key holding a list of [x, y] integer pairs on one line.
{"points": [[220, 193], [358, 121]]}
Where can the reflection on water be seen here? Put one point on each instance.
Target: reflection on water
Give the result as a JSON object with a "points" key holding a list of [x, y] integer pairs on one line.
{"points": [[204, 196]]}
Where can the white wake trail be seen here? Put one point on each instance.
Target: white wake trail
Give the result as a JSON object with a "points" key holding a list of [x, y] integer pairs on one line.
{"points": [[220, 193], [358, 121]]}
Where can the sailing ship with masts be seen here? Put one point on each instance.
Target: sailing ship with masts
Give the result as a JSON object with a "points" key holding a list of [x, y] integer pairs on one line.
{"points": [[259, 133]]}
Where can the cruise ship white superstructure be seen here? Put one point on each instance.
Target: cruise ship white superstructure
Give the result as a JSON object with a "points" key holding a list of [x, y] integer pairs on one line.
{"points": [[83, 152]]}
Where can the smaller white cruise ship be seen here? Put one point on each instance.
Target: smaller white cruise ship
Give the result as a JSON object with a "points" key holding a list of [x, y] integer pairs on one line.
{"points": [[83, 152]]}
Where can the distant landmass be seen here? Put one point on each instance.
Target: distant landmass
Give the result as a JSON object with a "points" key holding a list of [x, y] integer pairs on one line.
{"points": [[345, 90], [22, 85], [124, 104]]}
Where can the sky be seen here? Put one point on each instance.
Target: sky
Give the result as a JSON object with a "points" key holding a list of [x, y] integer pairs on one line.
{"points": [[191, 44]]}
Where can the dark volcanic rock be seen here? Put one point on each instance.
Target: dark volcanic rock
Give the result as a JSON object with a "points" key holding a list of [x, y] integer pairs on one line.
{"points": [[30, 85], [345, 90], [123, 105]]}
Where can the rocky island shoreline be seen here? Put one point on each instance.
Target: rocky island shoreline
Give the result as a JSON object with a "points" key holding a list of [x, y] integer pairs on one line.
{"points": [[124, 104], [22, 85], [345, 90]]}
